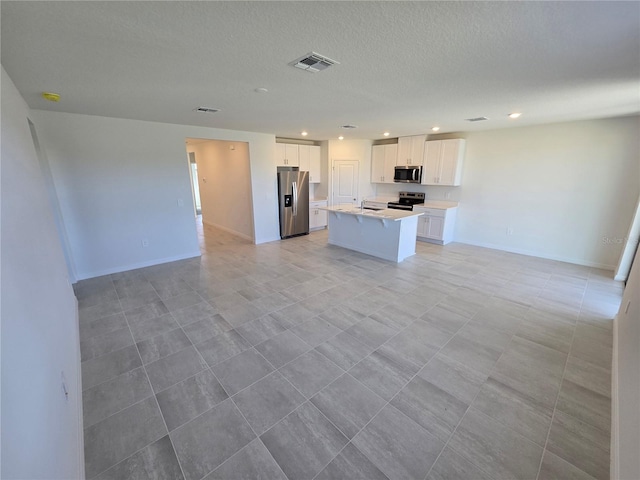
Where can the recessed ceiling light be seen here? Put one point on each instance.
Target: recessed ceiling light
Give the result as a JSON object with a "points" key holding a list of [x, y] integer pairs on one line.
{"points": [[386, 134], [304, 133], [514, 115], [340, 137], [435, 129]]}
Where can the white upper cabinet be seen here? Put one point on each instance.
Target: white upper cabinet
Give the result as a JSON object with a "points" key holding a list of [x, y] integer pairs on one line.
{"points": [[287, 155], [309, 156], [443, 162], [383, 162], [411, 150]]}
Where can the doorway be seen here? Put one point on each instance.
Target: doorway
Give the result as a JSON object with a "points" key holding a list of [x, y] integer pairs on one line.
{"points": [[195, 188], [344, 175]]}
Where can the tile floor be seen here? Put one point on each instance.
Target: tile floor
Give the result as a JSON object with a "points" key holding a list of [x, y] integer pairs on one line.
{"points": [[300, 360]]}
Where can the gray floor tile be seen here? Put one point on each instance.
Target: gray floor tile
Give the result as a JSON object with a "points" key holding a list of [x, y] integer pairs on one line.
{"points": [[252, 462], [114, 395], [434, 409], [588, 375], [555, 468], [157, 461], [371, 332], [593, 344], [242, 370], [351, 464], [271, 303], [104, 444], [446, 318], [304, 442], [316, 331], [240, 314], [398, 446], [182, 301], [382, 375], [207, 328], [193, 313], [186, 400], [580, 444], [221, 347], [340, 318], [472, 354], [160, 346], [135, 298], [348, 404], [311, 372], [268, 401], [586, 405], [106, 367], [451, 466], [453, 377], [205, 442], [344, 350], [496, 449], [485, 336], [171, 288], [102, 344], [510, 407], [151, 327], [150, 310], [531, 369], [174, 368], [282, 348], [394, 316], [96, 312], [262, 329], [101, 326], [293, 315]]}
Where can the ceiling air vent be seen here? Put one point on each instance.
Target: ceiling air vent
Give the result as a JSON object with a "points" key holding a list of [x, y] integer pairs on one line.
{"points": [[313, 62], [206, 110], [477, 119], [348, 126]]}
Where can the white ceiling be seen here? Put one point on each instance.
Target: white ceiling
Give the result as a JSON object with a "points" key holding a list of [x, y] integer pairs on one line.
{"points": [[404, 66]]}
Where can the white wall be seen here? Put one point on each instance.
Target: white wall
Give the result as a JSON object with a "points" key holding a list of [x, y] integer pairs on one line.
{"points": [[626, 398], [351, 150], [119, 182], [225, 185], [41, 430]]}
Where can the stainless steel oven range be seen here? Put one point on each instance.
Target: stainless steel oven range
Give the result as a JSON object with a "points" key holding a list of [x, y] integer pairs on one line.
{"points": [[407, 200]]}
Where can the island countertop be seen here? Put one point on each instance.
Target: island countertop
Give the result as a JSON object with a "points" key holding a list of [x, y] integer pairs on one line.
{"points": [[387, 214]]}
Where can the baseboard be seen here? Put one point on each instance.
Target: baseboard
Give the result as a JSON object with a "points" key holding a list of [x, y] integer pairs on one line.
{"points": [[530, 253], [615, 420], [134, 266]]}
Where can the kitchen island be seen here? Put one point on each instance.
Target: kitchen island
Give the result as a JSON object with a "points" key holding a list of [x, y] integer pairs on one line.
{"points": [[388, 234]]}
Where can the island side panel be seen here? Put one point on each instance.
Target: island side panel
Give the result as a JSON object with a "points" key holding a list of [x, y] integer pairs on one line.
{"points": [[383, 238]]}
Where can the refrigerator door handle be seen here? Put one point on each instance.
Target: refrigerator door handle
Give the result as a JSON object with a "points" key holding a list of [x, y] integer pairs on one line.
{"points": [[295, 198]]}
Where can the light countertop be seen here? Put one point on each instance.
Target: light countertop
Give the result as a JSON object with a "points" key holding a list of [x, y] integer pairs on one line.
{"points": [[387, 214]]}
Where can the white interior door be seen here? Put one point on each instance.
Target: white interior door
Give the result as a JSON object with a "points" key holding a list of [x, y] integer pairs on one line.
{"points": [[345, 182]]}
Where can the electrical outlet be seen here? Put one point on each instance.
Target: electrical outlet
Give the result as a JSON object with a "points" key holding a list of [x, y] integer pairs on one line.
{"points": [[509, 231], [447, 195], [145, 243], [180, 202]]}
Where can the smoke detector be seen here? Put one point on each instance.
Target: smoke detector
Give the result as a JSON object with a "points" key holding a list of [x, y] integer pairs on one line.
{"points": [[477, 119], [313, 62]]}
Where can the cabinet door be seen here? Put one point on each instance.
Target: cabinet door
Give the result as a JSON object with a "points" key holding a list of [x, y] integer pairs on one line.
{"points": [[314, 164], [422, 226], [280, 154], [435, 227], [291, 155], [303, 159], [451, 161], [390, 159], [322, 218], [431, 165], [377, 163], [404, 151], [417, 149]]}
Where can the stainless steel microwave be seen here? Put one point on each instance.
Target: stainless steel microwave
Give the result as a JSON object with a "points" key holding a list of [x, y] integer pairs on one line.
{"points": [[407, 174]]}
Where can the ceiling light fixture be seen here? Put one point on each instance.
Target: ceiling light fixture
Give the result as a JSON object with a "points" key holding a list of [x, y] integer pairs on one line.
{"points": [[261, 90], [386, 134], [304, 133], [340, 137], [435, 129], [52, 97], [206, 110], [514, 115]]}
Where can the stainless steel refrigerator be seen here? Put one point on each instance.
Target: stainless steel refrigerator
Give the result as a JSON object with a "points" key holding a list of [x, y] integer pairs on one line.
{"points": [[293, 198]]}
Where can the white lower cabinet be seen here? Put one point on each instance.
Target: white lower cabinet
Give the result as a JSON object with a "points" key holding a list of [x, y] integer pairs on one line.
{"points": [[317, 217], [436, 224]]}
